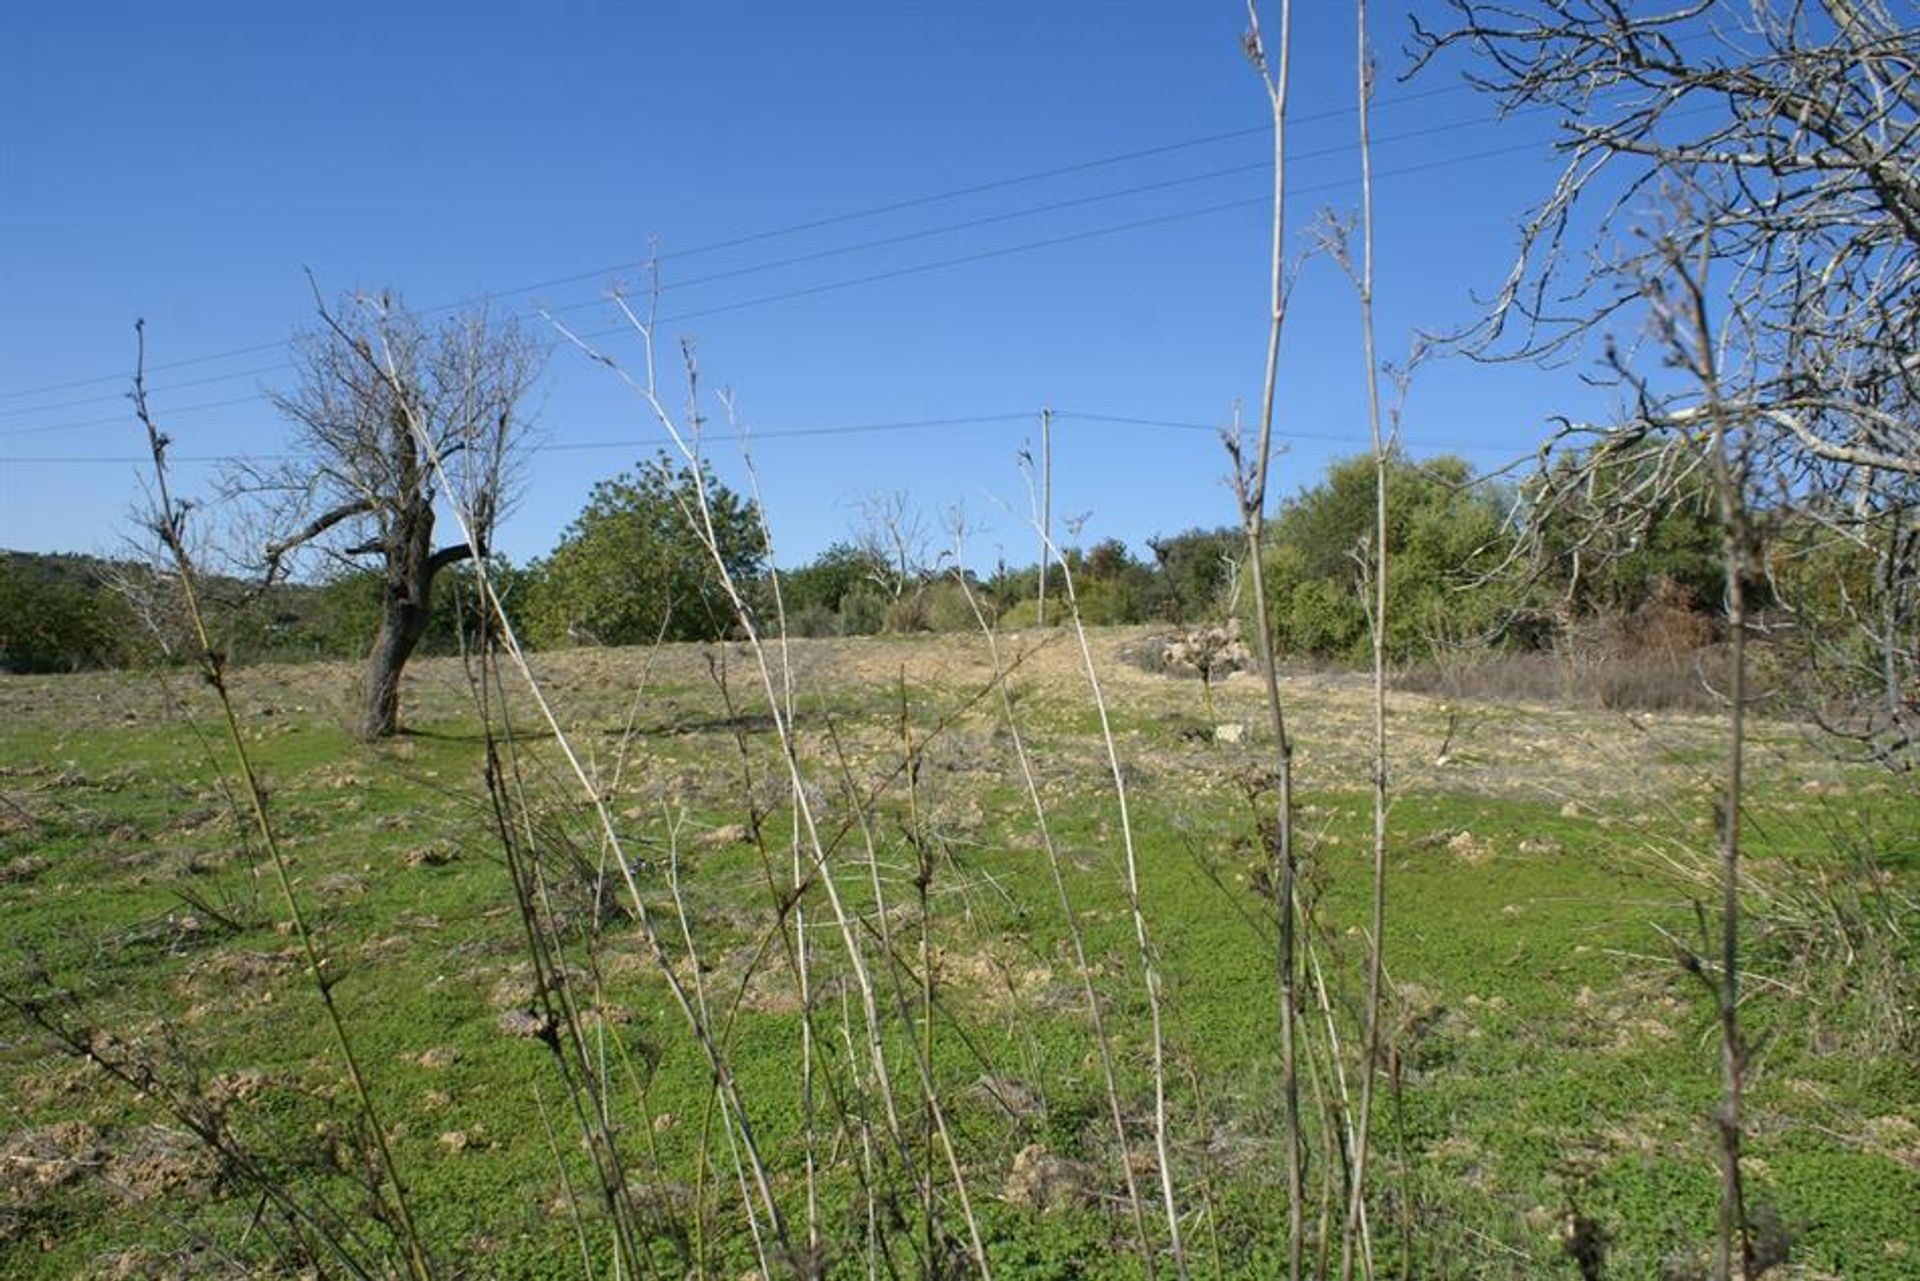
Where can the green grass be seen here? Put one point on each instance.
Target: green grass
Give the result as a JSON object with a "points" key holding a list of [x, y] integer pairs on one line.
{"points": [[1550, 1055]]}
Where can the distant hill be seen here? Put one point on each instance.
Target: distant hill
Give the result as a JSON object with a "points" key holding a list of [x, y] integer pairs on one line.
{"points": [[71, 568]]}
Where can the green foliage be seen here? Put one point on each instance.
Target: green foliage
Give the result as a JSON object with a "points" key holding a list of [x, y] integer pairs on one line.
{"points": [[1612, 541], [948, 610], [836, 593], [863, 611], [343, 613], [1441, 530], [1196, 569], [633, 566], [826, 580], [60, 623]]}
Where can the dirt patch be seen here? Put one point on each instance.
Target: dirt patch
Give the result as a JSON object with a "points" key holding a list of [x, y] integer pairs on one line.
{"points": [[24, 868], [136, 1163]]}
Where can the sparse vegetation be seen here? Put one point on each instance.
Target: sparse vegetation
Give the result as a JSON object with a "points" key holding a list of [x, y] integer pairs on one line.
{"points": [[1546, 1052], [878, 918]]}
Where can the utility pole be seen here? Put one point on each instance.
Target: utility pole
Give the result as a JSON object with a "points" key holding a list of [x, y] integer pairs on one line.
{"points": [[1046, 506]]}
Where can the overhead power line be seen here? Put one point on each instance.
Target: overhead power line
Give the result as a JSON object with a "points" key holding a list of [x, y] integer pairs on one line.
{"points": [[897, 273], [792, 433], [791, 229], [837, 251]]}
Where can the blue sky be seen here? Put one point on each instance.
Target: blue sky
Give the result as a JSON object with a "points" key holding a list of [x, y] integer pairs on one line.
{"points": [[185, 163]]}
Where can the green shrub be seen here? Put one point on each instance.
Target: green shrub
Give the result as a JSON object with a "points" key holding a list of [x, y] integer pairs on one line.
{"points": [[632, 568], [863, 612], [1443, 533]]}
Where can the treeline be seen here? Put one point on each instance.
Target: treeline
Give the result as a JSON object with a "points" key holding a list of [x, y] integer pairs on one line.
{"points": [[65, 613], [1471, 563]]}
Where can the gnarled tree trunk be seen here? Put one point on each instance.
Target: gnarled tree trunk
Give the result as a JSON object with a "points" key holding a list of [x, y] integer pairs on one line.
{"points": [[406, 607]]}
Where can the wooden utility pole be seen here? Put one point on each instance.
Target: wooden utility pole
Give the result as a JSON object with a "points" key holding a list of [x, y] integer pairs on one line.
{"points": [[1046, 507]]}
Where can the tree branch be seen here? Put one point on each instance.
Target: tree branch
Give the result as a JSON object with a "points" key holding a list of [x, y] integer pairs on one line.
{"points": [[316, 527], [453, 554]]}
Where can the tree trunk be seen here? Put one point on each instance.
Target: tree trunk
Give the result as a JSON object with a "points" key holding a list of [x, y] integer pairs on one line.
{"points": [[406, 604], [402, 622]]}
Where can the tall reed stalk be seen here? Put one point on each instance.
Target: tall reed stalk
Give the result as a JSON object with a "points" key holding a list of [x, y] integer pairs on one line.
{"points": [[1250, 485], [1354, 1234]]}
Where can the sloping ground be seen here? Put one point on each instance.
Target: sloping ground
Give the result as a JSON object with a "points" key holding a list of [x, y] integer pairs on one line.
{"points": [[1552, 1063]]}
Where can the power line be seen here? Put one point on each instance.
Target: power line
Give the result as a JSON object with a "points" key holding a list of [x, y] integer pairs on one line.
{"points": [[1280, 433], [801, 259], [105, 396], [1053, 242], [792, 229], [898, 273], [793, 433]]}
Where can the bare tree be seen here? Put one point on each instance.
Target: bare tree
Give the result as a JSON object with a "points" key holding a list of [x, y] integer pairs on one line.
{"points": [[380, 397], [1792, 128], [894, 539]]}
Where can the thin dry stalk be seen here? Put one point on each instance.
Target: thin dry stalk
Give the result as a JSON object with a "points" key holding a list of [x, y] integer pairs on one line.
{"points": [[800, 953], [672, 822], [650, 936], [921, 1174], [1071, 917], [1338, 1107], [566, 1182], [702, 518], [1149, 964], [1355, 1227], [168, 522], [1250, 486], [686, 442], [1729, 483], [583, 1073]]}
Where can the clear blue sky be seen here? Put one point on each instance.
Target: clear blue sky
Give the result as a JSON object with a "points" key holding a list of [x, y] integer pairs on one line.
{"points": [[184, 163]]}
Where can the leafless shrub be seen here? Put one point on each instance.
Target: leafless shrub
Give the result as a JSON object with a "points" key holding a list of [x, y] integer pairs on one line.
{"points": [[1790, 128]]}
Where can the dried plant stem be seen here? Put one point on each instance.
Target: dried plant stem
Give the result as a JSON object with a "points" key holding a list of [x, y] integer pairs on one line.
{"points": [[1149, 964], [586, 1084], [1250, 485], [597, 799], [920, 1173], [1734, 1244], [701, 517], [168, 524], [566, 1182], [1353, 1237], [1102, 1044]]}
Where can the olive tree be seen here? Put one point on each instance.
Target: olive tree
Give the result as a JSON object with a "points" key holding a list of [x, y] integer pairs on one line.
{"points": [[397, 423]]}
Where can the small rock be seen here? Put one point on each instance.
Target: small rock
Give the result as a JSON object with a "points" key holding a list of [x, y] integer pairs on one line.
{"points": [[1042, 1181], [438, 854], [522, 1023], [1468, 848]]}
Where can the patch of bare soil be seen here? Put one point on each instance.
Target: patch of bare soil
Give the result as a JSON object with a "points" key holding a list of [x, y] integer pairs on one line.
{"points": [[134, 1163]]}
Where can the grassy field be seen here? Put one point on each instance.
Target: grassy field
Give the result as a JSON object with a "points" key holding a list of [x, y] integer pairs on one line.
{"points": [[1550, 1060]]}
